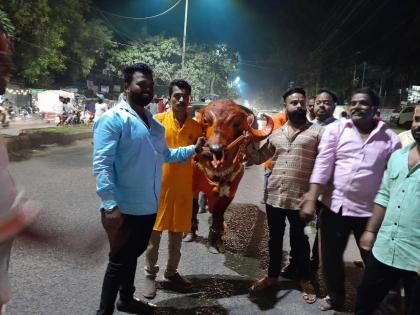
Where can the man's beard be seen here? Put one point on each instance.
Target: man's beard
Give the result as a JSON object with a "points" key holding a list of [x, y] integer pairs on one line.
{"points": [[416, 135], [297, 117], [140, 98]]}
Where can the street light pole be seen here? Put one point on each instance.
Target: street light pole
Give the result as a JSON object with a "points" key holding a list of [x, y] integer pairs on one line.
{"points": [[363, 77], [185, 34]]}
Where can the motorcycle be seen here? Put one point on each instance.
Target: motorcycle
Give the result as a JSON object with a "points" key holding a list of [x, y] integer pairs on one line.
{"points": [[62, 119]]}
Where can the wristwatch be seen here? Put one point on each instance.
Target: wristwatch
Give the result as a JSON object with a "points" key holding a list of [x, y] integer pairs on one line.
{"points": [[110, 209]]}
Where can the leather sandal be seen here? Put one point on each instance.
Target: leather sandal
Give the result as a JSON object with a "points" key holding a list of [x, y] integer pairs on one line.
{"points": [[308, 292]]}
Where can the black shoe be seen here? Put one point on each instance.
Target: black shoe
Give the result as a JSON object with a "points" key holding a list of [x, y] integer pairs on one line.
{"points": [[290, 272], [135, 306]]}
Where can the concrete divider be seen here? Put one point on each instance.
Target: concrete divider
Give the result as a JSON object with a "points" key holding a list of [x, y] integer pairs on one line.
{"points": [[30, 141]]}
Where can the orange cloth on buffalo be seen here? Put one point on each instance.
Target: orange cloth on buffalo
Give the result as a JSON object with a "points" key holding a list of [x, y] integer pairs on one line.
{"points": [[279, 120], [175, 204]]}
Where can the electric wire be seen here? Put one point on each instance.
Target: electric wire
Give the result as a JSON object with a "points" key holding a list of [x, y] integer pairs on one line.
{"points": [[139, 18], [122, 34], [360, 28]]}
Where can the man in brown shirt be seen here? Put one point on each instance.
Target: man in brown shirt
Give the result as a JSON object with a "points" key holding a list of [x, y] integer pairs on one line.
{"points": [[293, 149]]}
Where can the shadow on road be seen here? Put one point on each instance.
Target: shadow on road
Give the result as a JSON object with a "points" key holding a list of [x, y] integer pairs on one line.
{"points": [[212, 286], [202, 296], [199, 310], [270, 297]]}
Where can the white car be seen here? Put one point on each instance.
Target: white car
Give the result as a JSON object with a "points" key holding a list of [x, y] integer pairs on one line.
{"points": [[404, 117]]}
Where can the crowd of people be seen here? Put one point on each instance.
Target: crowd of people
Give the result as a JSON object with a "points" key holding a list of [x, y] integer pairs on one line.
{"points": [[330, 167], [349, 175]]}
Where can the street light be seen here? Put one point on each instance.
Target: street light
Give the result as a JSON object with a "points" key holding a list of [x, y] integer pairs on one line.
{"points": [[185, 34]]}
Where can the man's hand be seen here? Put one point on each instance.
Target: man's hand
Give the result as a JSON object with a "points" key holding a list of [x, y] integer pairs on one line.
{"points": [[367, 240], [199, 144], [307, 207], [114, 213], [112, 219]]}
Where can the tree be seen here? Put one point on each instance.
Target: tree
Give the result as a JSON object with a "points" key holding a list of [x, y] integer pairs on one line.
{"points": [[6, 25], [87, 38], [162, 54], [207, 68], [55, 41], [37, 41]]}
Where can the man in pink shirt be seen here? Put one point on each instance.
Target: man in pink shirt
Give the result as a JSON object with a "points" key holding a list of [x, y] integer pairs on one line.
{"points": [[352, 158]]}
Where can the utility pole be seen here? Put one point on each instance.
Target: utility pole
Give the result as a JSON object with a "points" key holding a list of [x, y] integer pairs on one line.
{"points": [[185, 34], [354, 74], [364, 70], [380, 89]]}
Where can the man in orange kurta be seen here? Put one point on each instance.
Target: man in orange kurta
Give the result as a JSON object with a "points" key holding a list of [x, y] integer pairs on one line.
{"points": [[175, 205]]}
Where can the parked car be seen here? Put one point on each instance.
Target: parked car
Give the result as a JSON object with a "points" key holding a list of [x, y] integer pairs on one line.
{"points": [[404, 117]]}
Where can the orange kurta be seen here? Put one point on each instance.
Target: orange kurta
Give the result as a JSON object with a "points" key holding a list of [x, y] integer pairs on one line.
{"points": [[175, 204]]}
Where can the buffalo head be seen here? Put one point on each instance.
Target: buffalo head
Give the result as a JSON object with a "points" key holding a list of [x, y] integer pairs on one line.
{"points": [[226, 125]]}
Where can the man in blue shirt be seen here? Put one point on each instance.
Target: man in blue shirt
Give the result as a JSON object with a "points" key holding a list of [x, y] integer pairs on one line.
{"points": [[129, 149]]}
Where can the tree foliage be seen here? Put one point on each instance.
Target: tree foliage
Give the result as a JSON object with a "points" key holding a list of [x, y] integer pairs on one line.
{"points": [[55, 41], [206, 67], [6, 25]]}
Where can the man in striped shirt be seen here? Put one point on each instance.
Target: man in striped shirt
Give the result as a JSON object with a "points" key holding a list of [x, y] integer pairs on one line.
{"points": [[293, 149]]}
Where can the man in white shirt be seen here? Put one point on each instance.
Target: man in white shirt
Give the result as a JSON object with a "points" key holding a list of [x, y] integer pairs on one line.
{"points": [[100, 107]]}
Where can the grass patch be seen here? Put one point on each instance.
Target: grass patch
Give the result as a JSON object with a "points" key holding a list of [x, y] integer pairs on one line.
{"points": [[63, 130], [398, 129]]}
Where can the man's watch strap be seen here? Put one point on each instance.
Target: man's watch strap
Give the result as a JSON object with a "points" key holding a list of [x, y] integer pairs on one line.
{"points": [[110, 209]]}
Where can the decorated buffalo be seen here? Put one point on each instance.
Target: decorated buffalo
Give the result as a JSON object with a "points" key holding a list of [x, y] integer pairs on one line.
{"points": [[219, 168]]}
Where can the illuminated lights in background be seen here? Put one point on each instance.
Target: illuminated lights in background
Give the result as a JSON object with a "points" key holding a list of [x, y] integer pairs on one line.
{"points": [[17, 91]]}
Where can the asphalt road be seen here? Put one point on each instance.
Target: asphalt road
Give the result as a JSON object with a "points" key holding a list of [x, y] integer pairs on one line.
{"points": [[59, 269]]}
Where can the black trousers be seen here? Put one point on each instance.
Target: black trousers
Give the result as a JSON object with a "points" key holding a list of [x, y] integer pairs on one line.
{"points": [[315, 251], [335, 232], [127, 243], [276, 219], [378, 280]]}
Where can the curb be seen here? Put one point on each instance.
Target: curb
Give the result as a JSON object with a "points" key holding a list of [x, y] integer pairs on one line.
{"points": [[24, 141]]}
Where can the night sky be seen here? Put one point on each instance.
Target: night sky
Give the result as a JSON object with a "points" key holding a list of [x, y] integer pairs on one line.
{"points": [[275, 38]]}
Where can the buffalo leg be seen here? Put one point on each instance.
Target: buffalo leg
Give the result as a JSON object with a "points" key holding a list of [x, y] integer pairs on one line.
{"points": [[216, 232]]}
